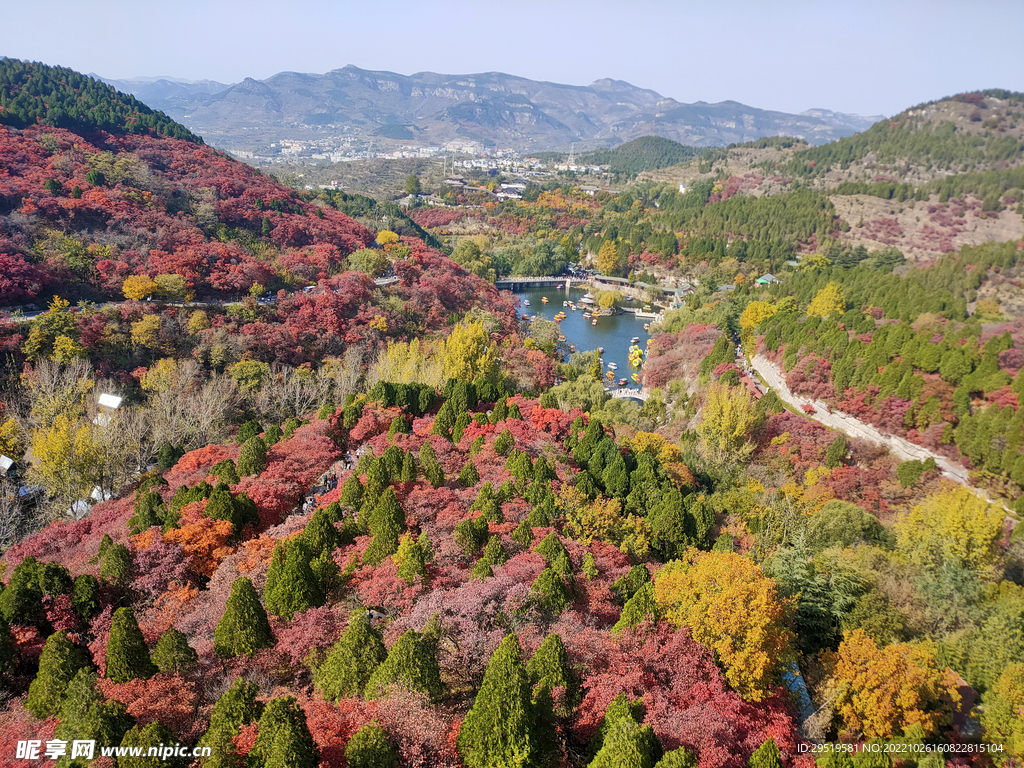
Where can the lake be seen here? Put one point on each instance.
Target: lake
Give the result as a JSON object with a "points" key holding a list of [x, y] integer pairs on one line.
{"points": [[614, 333]]}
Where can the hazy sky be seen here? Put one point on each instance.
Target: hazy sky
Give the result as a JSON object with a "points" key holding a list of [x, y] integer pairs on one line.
{"points": [[867, 57]]}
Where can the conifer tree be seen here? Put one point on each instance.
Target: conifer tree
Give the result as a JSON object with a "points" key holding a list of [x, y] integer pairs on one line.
{"points": [[471, 534], [173, 653], [410, 559], [523, 534], [351, 660], [352, 492], [237, 706], [284, 737], [247, 431], [127, 654], [461, 423], [85, 715], [385, 523], [85, 596], [766, 756], [252, 459], [444, 422], [639, 608], [432, 469], [153, 735], [411, 663], [21, 599], [7, 649], [499, 728], [494, 554], [551, 547], [513, 412], [589, 567], [59, 663], [677, 758], [500, 412], [545, 727], [320, 535], [370, 747], [627, 745], [550, 592], [550, 666], [273, 435], [504, 443], [296, 588], [616, 478], [619, 707], [626, 586], [243, 629], [408, 468], [543, 471], [469, 477]]}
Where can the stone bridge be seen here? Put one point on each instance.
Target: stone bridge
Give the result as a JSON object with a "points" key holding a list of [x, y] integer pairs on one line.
{"points": [[628, 393]]}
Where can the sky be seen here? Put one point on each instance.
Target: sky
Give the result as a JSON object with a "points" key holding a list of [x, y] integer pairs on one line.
{"points": [[866, 57]]}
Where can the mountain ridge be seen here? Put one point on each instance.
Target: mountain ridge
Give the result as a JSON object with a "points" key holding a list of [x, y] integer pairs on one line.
{"points": [[495, 108]]}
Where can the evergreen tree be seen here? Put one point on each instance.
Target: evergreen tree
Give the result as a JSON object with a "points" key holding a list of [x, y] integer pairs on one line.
{"points": [[461, 423], [85, 596], [766, 756], [243, 629], [469, 477], [127, 654], [320, 535], [59, 663], [236, 707], [411, 663], [295, 587], [21, 600], [152, 735], [551, 547], [85, 715], [498, 731], [370, 747], [626, 586], [352, 492], [351, 660], [494, 554], [550, 666], [247, 431], [550, 592], [471, 533], [523, 534], [444, 422], [639, 608], [627, 745], [678, 758], [253, 458], [504, 443], [589, 567], [7, 650], [545, 727], [411, 559], [836, 452], [273, 435], [173, 653], [616, 478], [385, 523], [619, 708], [284, 737], [432, 469], [408, 468]]}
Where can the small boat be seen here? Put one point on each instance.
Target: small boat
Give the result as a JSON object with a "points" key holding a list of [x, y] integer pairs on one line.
{"points": [[613, 366], [558, 287], [636, 377], [647, 326], [544, 299], [610, 376], [635, 340], [629, 298], [573, 307], [600, 350], [526, 302], [594, 321], [622, 382], [565, 303], [586, 315], [588, 296]]}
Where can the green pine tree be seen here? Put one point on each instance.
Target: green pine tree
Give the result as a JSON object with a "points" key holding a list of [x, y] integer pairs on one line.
{"points": [[237, 706], [619, 707], [627, 745], [523, 534], [295, 587], [494, 554], [411, 559], [444, 422], [127, 654], [173, 653], [766, 756], [498, 731], [21, 599], [412, 664], [678, 758], [284, 738], [370, 747], [59, 663], [550, 665], [252, 459], [551, 547], [243, 629], [352, 492], [589, 567], [7, 650], [550, 592], [351, 660], [85, 715], [626, 586], [504, 443], [468, 477], [408, 468], [152, 735], [639, 608], [85, 596]]}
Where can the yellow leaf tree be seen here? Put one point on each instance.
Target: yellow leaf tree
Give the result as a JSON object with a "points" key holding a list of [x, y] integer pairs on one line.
{"points": [[386, 237], [1003, 718], [469, 353], [952, 525], [608, 258], [880, 692], [727, 418], [828, 301], [138, 287], [67, 458], [755, 314], [734, 609]]}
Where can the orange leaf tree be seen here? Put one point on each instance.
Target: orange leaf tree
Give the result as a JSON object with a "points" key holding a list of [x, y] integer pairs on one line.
{"points": [[734, 609], [205, 542], [880, 692]]}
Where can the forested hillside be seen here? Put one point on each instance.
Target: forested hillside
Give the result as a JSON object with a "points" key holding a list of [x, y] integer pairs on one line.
{"points": [[306, 493]]}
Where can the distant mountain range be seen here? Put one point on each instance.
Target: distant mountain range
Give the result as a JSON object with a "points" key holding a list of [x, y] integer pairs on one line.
{"points": [[493, 108]]}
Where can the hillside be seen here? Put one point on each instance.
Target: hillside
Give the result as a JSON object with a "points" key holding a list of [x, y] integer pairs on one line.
{"points": [[32, 93], [493, 108]]}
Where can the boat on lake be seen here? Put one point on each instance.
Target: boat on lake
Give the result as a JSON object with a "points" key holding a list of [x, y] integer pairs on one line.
{"points": [[635, 340], [526, 302], [544, 299], [622, 382], [612, 366]]}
